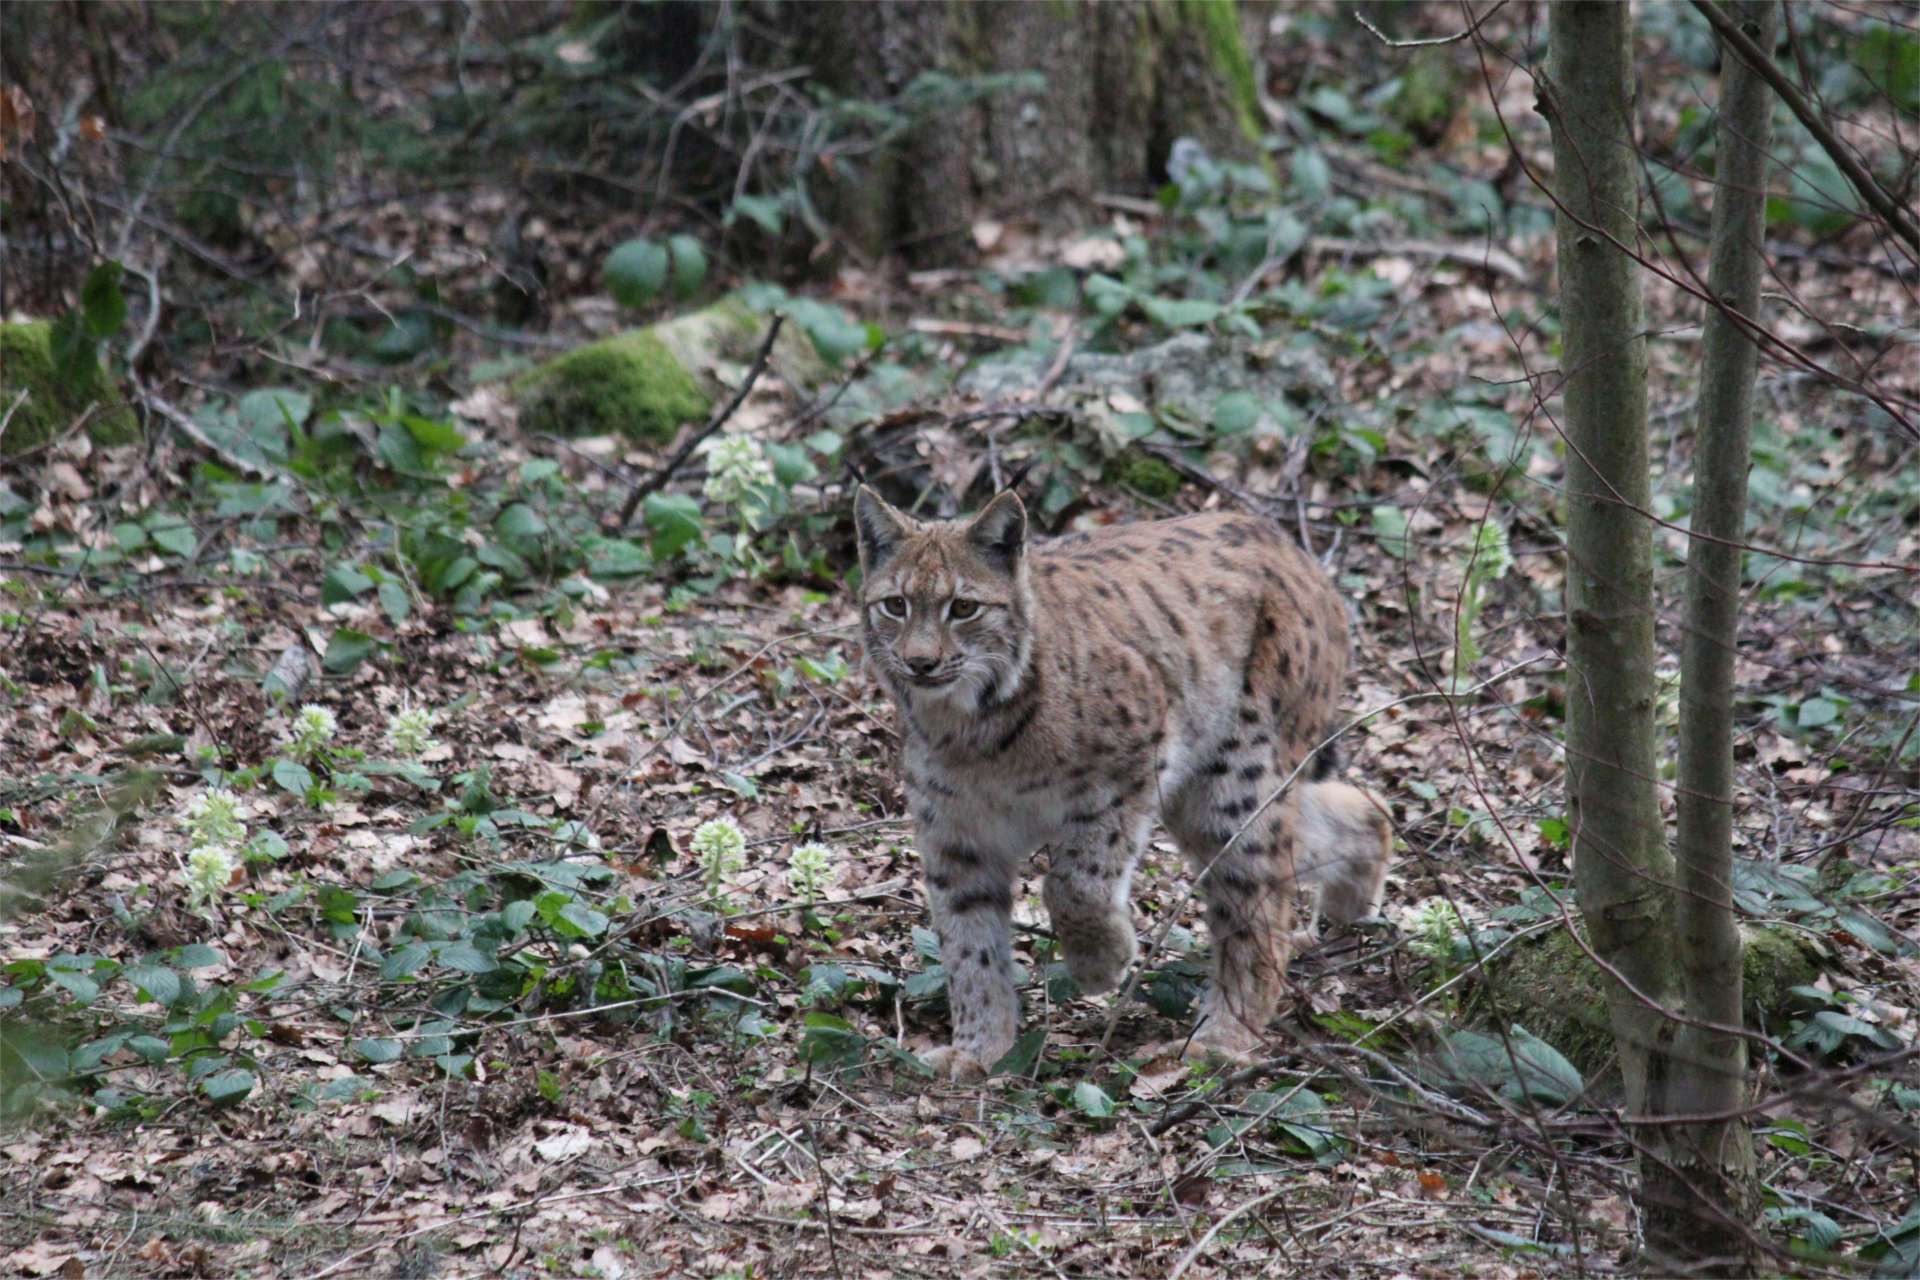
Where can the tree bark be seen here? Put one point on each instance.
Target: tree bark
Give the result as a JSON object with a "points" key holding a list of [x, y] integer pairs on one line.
{"points": [[1124, 78], [1622, 869], [1712, 1162]]}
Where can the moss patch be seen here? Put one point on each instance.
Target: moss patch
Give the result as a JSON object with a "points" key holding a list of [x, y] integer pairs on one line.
{"points": [[1144, 475], [1553, 989], [1219, 24], [630, 384], [26, 361], [649, 382]]}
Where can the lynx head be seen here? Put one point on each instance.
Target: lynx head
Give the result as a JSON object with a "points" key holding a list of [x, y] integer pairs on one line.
{"points": [[945, 604]]}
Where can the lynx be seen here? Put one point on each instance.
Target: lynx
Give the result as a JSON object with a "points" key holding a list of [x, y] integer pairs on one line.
{"points": [[1065, 693]]}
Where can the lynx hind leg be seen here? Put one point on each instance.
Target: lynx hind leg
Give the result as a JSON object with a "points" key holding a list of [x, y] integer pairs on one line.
{"points": [[1248, 885], [1088, 905], [1346, 844]]}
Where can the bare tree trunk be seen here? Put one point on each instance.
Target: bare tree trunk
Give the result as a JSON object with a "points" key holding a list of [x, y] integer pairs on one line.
{"points": [[1711, 1169], [1621, 866], [1124, 78]]}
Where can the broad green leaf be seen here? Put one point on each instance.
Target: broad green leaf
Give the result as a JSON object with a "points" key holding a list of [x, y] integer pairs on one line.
{"points": [[178, 539], [1236, 412], [765, 212], [1815, 712], [1092, 1100], [378, 1049], [689, 265], [1024, 1056], [102, 306], [1390, 523], [266, 412], [347, 649], [830, 1041], [673, 521], [1180, 313], [156, 982], [197, 955], [343, 582], [224, 1088], [465, 958], [395, 602], [635, 272], [292, 777]]}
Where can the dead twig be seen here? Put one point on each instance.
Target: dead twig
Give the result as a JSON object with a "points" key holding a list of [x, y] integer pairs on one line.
{"points": [[653, 482]]}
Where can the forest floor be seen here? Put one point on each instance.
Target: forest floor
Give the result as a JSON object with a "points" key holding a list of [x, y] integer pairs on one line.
{"points": [[480, 1008]]}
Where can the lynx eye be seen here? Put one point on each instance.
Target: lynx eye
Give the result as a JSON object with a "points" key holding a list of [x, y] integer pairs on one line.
{"points": [[961, 610], [894, 607]]}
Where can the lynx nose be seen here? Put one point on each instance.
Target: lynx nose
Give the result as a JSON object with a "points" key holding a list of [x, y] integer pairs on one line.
{"points": [[922, 666]]}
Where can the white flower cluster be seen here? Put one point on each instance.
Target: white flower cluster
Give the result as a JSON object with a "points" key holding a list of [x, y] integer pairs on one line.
{"points": [[1492, 554], [215, 833], [1431, 926], [208, 871], [213, 817], [721, 847], [735, 465], [410, 732], [809, 869], [312, 731]]}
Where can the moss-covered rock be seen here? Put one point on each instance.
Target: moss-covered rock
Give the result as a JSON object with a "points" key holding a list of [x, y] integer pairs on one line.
{"points": [[630, 384], [648, 383], [1552, 988], [52, 405]]}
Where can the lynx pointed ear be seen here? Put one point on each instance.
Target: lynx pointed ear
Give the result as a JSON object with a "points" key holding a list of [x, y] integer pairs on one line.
{"points": [[882, 529], [1000, 531]]}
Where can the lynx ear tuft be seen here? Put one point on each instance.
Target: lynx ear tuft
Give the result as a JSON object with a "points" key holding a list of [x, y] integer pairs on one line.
{"points": [[882, 529], [1000, 531]]}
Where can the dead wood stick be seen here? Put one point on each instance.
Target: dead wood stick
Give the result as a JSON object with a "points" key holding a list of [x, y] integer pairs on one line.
{"points": [[193, 431], [719, 419]]}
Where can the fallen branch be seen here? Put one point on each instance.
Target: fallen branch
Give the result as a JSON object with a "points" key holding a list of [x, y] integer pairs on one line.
{"points": [[653, 482], [192, 430]]}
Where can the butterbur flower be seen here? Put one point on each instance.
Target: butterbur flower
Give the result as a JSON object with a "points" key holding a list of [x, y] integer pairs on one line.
{"points": [[735, 464], [721, 847], [410, 732], [809, 867], [1492, 554], [213, 818], [1432, 925], [209, 869], [313, 729]]}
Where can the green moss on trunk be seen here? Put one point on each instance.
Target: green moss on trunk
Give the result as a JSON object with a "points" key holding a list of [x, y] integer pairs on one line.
{"points": [[51, 406], [1553, 989]]}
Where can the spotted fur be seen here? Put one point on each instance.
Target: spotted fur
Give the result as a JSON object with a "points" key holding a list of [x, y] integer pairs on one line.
{"points": [[1066, 693]]}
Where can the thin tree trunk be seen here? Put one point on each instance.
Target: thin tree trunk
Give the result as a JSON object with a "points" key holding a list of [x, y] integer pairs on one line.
{"points": [[1710, 1176], [1622, 869]]}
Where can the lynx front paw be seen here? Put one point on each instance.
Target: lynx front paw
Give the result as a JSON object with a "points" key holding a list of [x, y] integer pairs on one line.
{"points": [[1225, 1039], [1098, 960], [951, 1062]]}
